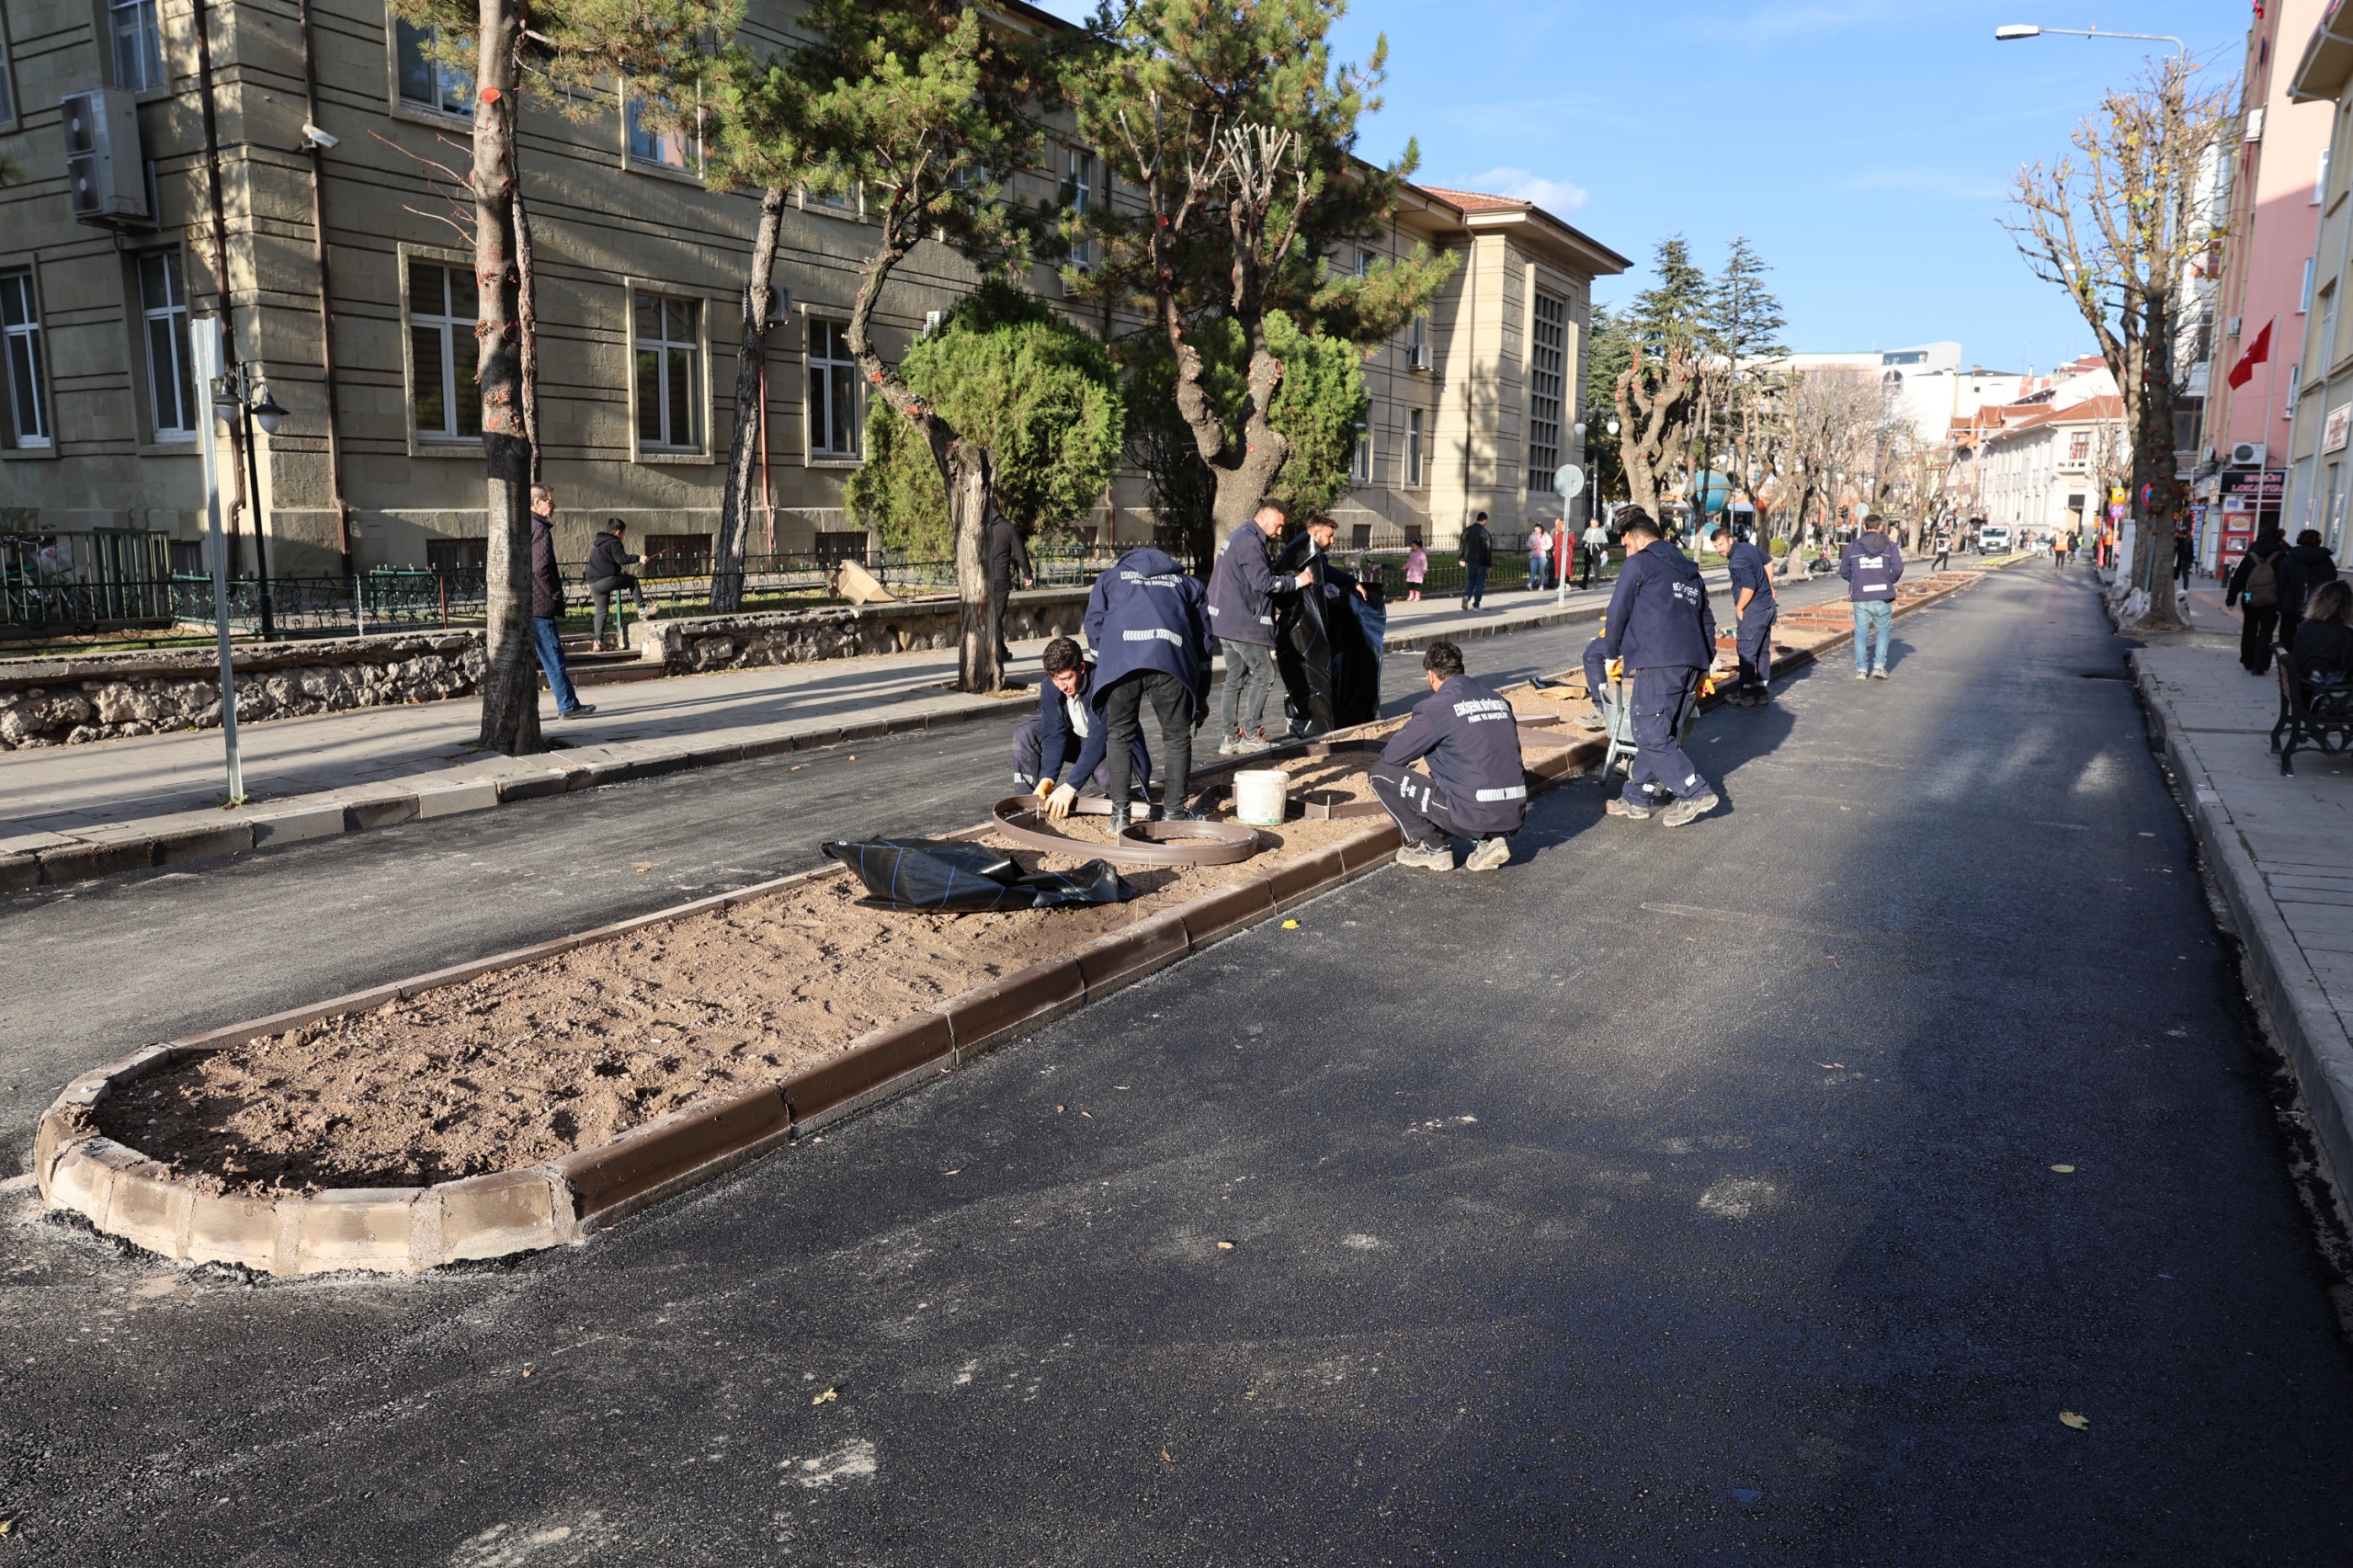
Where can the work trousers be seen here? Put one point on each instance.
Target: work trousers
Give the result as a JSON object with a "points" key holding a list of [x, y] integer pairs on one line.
{"points": [[1596, 670], [2257, 629], [1123, 711], [1249, 680], [1474, 586], [1874, 623], [602, 590], [1755, 639], [1585, 580], [1030, 763], [547, 638], [1660, 696], [1417, 805]]}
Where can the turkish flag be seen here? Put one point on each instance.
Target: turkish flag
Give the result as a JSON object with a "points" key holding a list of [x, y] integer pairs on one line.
{"points": [[2258, 353]]}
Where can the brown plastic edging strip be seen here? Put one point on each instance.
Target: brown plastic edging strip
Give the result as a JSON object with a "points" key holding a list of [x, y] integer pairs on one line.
{"points": [[1153, 844]]}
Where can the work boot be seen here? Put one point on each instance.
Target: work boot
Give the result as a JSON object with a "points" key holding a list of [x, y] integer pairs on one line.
{"points": [[1427, 856], [1118, 819], [1492, 854], [1691, 809], [1593, 721], [1179, 813], [1619, 806]]}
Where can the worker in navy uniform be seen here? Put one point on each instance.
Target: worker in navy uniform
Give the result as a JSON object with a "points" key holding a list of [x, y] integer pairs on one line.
{"points": [[1476, 787], [1663, 634], [1754, 612], [1066, 733], [1148, 623], [1243, 591]]}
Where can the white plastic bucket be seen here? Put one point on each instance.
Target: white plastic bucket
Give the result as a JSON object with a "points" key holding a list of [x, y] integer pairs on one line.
{"points": [[1261, 796]]}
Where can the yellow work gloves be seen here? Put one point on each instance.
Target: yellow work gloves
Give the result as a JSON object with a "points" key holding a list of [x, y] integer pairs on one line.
{"points": [[1059, 802]]}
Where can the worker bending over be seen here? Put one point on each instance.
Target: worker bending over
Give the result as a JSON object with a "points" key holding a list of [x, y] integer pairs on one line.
{"points": [[1476, 787], [1662, 633], [1149, 625], [1754, 612], [1067, 734]]}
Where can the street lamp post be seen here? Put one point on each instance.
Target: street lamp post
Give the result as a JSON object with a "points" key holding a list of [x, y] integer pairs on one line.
{"points": [[235, 388], [2011, 32]]}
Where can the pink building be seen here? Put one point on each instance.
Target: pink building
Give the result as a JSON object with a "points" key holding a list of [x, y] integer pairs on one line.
{"points": [[2276, 175]]}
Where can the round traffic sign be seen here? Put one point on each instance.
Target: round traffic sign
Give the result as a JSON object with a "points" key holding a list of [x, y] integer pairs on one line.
{"points": [[1569, 480]]}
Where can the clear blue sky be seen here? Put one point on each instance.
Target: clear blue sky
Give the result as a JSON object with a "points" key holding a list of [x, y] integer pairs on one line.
{"points": [[1865, 147]]}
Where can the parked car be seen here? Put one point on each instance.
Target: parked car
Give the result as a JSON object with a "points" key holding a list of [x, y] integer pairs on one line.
{"points": [[1993, 539]]}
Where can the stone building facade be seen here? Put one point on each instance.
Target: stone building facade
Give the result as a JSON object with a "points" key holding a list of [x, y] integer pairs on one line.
{"points": [[354, 256]]}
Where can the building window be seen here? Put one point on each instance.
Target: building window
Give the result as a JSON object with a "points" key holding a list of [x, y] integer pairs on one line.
{"points": [[1082, 199], [138, 44], [1412, 449], [172, 393], [833, 391], [445, 402], [677, 555], [425, 81], [7, 97], [1417, 344], [1546, 360], [2320, 179], [2305, 294], [677, 148], [669, 373], [1360, 457], [2079, 446], [28, 414], [2328, 325]]}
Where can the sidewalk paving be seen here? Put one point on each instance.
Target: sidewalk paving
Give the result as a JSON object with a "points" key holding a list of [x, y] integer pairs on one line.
{"points": [[2280, 846], [68, 813]]}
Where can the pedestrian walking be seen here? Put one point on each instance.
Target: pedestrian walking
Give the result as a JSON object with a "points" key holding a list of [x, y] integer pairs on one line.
{"points": [[1662, 630], [1754, 612], [1540, 551], [2254, 588], [1477, 549], [1596, 546], [2063, 541], [2185, 555], [1476, 783], [2304, 570], [1005, 556], [1871, 565], [1244, 586], [1944, 547], [547, 607], [1418, 570], [1149, 625], [608, 560]]}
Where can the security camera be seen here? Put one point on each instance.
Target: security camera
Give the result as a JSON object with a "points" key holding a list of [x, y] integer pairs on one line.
{"points": [[313, 136]]}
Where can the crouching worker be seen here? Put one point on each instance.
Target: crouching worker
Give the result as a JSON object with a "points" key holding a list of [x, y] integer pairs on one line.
{"points": [[1149, 625], [1067, 735], [1476, 787]]}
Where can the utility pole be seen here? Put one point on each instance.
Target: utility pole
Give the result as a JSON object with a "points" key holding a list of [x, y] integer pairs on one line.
{"points": [[204, 345]]}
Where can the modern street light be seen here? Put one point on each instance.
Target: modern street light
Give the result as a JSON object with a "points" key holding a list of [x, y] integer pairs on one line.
{"points": [[2009, 31]]}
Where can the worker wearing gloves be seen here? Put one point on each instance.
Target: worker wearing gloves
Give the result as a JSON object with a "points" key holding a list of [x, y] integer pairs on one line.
{"points": [[1662, 633], [1476, 787], [1148, 623], [1754, 610], [1243, 590], [1067, 735]]}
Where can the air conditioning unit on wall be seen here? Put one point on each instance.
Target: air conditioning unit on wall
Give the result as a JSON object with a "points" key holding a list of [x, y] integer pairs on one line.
{"points": [[1418, 356], [106, 178], [2248, 454]]}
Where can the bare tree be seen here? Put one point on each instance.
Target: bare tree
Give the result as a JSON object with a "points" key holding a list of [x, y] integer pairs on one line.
{"points": [[2116, 223], [1657, 406], [1833, 422]]}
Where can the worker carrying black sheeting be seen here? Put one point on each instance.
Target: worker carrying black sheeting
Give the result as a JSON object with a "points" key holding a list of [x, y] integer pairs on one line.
{"points": [[1328, 638]]}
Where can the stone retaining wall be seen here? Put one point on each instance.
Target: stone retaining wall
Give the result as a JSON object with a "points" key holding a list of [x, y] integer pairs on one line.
{"points": [[801, 636], [45, 702]]}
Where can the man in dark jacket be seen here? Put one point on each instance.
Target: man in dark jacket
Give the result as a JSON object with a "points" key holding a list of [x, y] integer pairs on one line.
{"points": [[547, 605], [1243, 590], [608, 560], [1003, 554], [1477, 550], [1872, 565], [1149, 625], [1476, 787], [1068, 733], [1754, 612], [2255, 588], [2306, 569], [1661, 631]]}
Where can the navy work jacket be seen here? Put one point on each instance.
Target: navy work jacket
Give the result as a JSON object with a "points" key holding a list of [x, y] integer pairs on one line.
{"points": [[1147, 613], [1243, 589], [1472, 739], [1752, 569], [1660, 615], [1872, 566]]}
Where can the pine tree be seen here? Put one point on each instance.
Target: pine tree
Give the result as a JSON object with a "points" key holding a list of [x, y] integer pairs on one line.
{"points": [[1746, 320]]}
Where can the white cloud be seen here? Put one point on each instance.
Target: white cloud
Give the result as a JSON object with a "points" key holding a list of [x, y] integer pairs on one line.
{"points": [[1557, 197]]}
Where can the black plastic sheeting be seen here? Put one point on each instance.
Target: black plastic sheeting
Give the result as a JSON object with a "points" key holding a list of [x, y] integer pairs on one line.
{"points": [[950, 874], [1328, 645]]}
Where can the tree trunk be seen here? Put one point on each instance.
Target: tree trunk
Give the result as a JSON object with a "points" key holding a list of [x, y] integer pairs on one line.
{"points": [[510, 696], [969, 474], [751, 410], [2154, 569], [526, 310]]}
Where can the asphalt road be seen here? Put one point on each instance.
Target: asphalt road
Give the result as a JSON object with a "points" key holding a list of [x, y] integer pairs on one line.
{"points": [[1671, 1197]]}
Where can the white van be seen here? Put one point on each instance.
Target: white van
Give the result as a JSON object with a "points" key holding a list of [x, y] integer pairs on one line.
{"points": [[1993, 539]]}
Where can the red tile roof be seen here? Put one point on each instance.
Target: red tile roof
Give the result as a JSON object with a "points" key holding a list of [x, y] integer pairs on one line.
{"points": [[1476, 201]]}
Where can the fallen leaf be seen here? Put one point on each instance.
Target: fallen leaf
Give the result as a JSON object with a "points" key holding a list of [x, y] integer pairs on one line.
{"points": [[642, 865], [2065, 1170], [796, 767], [958, 1171], [1290, 924], [1830, 1066], [2080, 1422], [827, 1397], [1166, 1455], [1115, 1085], [527, 1371], [1088, 1114], [1058, 1111], [853, 756], [8, 1521], [1225, 1246]]}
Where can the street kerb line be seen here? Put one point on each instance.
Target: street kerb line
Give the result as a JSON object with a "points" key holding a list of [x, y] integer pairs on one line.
{"points": [[409, 1230]]}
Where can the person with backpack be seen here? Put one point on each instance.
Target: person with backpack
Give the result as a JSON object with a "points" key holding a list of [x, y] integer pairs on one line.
{"points": [[2304, 571], [1477, 550], [2253, 589]]}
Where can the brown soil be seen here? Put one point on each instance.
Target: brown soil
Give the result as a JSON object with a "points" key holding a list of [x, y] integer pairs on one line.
{"points": [[531, 1063]]}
